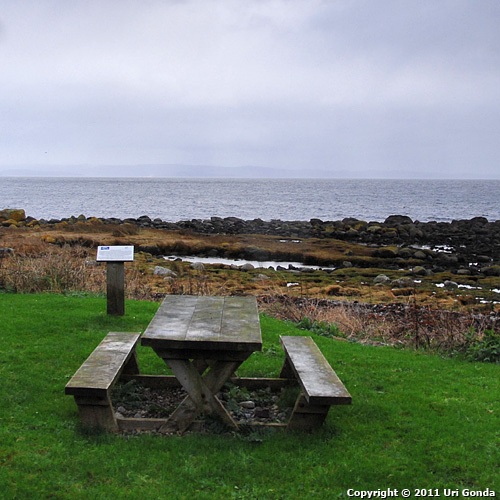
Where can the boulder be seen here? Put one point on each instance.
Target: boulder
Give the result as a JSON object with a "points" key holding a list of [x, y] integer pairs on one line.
{"points": [[419, 271], [164, 271], [381, 279], [10, 223], [15, 214], [6, 251], [385, 253], [419, 254], [261, 277], [197, 266], [492, 271], [396, 220], [406, 252], [403, 283]]}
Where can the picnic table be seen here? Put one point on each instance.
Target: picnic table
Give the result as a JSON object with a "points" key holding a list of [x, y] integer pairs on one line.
{"points": [[203, 340]]}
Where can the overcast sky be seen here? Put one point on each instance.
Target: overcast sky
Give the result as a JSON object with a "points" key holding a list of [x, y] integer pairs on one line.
{"points": [[355, 88]]}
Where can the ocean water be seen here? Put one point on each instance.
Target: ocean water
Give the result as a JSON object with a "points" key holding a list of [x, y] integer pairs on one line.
{"points": [[286, 199]]}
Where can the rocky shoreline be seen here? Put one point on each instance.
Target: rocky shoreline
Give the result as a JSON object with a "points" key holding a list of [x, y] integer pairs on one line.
{"points": [[466, 247]]}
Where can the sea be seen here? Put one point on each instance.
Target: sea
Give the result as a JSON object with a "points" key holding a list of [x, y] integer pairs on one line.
{"points": [[177, 199]]}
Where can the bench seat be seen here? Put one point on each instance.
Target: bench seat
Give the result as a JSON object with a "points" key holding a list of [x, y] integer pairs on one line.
{"points": [[92, 383], [319, 384]]}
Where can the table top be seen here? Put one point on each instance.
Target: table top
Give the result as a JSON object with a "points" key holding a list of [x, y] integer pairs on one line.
{"points": [[205, 322]]}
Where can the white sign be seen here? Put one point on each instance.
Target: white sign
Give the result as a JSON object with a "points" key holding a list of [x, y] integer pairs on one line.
{"points": [[115, 254]]}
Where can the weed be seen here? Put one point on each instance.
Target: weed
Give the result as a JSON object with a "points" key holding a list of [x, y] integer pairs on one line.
{"points": [[486, 348], [320, 327]]}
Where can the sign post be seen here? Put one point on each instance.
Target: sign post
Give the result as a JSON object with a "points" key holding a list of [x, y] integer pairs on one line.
{"points": [[115, 256]]}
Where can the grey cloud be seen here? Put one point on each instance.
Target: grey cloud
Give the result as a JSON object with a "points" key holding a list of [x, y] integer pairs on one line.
{"points": [[368, 88]]}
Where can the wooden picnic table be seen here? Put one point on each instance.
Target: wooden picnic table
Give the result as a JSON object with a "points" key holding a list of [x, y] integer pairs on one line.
{"points": [[203, 340]]}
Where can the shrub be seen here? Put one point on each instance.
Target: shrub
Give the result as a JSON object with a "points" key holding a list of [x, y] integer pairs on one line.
{"points": [[320, 327], [486, 348]]}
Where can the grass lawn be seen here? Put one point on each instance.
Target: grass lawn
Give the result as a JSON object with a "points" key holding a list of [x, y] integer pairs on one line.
{"points": [[417, 420]]}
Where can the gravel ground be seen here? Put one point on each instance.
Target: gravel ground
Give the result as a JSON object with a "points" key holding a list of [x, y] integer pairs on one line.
{"points": [[246, 407]]}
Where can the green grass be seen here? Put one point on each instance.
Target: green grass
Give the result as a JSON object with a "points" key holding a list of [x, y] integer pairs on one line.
{"points": [[417, 420]]}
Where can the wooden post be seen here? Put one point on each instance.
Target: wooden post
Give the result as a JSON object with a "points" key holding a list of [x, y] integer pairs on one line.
{"points": [[115, 281], [115, 257]]}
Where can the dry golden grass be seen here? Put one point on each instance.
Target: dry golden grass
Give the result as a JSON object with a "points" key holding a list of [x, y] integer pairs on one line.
{"points": [[63, 261], [54, 259]]}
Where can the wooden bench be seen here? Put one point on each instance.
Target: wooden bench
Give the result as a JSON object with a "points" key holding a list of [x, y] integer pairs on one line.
{"points": [[92, 383], [320, 386]]}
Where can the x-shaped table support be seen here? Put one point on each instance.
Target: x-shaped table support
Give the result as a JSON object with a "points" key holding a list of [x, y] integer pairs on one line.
{"points": [[201, 389]]}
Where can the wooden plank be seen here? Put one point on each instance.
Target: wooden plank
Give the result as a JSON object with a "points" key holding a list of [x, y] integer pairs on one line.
{"points": [[160, 425], [205, 324], [102, 368], [253, 383], [168, 381], [201, 352], [152, 381], [155, 424], [316, 377], [240, 322], [171, 321]]}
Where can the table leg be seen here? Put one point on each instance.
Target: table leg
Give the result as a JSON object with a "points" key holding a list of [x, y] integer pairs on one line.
{"points": [[201, 393]]}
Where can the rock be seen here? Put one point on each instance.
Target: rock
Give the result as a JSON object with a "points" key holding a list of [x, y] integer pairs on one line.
{"points": [[479, 221], [261, 277], [385, 253], [381, 279], [419, 254], [492, 271], [448, 259], [396, 220], [403, 283], [419, 271], [10, 223], [247, 267], [346, 263], [406, 252], [6, 251], [483, 259], [262, 412], [450, 284], [15, 214], [197, 266], [164, 271], [316, 222], [249, 405]]}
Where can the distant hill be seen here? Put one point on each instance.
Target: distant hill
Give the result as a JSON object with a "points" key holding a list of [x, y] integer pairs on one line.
{"points": [[175, 170]]}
